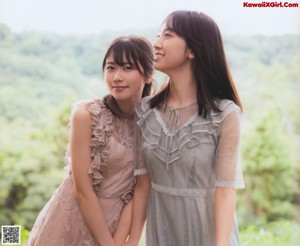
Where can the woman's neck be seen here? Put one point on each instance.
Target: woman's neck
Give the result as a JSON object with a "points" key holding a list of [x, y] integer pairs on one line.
{"points": [[128, 111], [123, 110], [183, 90]]}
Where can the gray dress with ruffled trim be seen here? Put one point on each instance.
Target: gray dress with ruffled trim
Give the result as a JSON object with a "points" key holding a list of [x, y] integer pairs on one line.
{"points": [[187, 157]]}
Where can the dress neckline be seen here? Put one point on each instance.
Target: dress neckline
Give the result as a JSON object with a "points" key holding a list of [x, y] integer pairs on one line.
{"points": [[111, 103], [180, 108], [162, 123]]}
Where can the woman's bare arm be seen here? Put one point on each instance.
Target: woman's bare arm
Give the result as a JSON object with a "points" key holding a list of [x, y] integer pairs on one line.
{"points": [[123, 229], [140, 201], [81, 159], [225, 200]]}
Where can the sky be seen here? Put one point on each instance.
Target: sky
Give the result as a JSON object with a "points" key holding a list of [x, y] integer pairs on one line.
{"points": [[96, 16]]}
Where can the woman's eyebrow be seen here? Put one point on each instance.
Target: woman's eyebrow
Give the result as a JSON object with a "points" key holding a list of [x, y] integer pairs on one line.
{"points": [[110, 62], [123, 63], [168, 29]]}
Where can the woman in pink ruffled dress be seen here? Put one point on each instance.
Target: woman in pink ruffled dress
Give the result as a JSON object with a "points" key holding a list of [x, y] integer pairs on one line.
{"points": [[92, 206]]}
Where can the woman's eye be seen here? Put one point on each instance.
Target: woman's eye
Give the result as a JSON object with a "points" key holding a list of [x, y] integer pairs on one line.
{"points": [[128, 68], [110, 68]]}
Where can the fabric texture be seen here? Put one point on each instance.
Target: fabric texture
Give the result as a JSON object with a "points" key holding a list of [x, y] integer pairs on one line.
{"points": [[61, 223], [187, 157]]}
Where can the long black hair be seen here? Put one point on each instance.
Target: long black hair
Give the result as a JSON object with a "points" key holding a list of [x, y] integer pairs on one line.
{"points": [[210, 67]]}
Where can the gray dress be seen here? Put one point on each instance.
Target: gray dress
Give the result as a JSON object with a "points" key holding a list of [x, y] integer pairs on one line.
{"points": [[187, 157]]}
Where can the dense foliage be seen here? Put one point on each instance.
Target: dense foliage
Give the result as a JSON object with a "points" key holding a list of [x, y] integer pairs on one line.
{"points": [[42, 74]]}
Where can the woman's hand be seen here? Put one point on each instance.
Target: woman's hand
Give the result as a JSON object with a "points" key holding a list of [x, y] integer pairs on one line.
{"points": [[123, 229], [140, 201]]}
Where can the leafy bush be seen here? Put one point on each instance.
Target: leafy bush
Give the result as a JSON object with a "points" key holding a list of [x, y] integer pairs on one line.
{"points": [[283, 233]]}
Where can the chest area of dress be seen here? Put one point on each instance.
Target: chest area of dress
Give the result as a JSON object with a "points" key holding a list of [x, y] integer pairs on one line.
{"points": [[121, 147], [194, 142], [194, 135]]}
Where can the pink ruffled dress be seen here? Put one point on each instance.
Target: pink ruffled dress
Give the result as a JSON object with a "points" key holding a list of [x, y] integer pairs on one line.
{"points": [[61, 223]]}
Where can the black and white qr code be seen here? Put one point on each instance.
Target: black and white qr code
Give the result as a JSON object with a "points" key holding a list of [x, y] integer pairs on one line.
{"points": [[10, 234]]}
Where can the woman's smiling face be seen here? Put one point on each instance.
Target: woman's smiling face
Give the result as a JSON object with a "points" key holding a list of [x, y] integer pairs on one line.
{"points": [[125, 83], [170, 50]]}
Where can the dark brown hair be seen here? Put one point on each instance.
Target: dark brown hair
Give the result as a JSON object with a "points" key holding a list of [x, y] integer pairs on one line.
{"points": [[210, 67], [138, 53]]}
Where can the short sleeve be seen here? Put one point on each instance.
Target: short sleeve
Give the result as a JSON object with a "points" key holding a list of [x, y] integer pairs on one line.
{"points": [[141, 166], [143, 112], [228, 165]]}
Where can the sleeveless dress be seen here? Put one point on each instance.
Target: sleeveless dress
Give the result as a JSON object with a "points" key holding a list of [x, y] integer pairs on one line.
{"points": [[61, 223], [187, 157]]}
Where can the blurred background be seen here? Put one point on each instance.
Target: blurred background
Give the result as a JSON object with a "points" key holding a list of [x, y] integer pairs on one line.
{"points": [[51, 54]]}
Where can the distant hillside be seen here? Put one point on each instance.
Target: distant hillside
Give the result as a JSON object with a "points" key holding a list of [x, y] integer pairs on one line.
{"points": [[39, 69]]}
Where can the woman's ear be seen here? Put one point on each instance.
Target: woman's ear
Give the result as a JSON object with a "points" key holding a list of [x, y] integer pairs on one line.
{"points": [[148, 80], [190, 54]]}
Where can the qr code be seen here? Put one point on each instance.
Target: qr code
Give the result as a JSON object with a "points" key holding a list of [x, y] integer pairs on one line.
{"points": [[11, 234]]}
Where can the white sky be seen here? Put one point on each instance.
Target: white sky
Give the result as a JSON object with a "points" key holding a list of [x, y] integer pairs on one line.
{"points": [[96, 16]]}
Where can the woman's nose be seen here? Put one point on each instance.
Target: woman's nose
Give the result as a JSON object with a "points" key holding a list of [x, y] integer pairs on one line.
{"points": [[157, 43], [118, 76]]}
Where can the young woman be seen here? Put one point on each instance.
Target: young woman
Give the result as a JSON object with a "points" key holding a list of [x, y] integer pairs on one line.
{"points": [[92, 206], [191, 138]]}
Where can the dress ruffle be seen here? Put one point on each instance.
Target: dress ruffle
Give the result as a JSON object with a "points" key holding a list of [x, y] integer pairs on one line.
{"points": [[128, 195], [197, 130], [102, 128]]}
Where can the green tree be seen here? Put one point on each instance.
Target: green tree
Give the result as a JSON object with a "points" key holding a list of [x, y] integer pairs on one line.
{"points": [[31, 167], [267, 170]]}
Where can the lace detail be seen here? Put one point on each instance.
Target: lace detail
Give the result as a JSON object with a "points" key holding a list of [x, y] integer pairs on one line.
{"points": [[127, 196], [103, 125], [226, 106], [140, 171], [102, 128], [169, 145], [61, 221], [193, 132], [203, 154], [227, 184], [123, 131]]}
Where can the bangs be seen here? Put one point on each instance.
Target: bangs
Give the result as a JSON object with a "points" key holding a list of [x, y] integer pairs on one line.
{"points": [[125, 54], [134, 51], [177, 22], [169, 23], [122, 55]]}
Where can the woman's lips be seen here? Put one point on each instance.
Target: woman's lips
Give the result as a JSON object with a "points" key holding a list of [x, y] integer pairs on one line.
{"points": [[158, 56], [119, 88]]}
